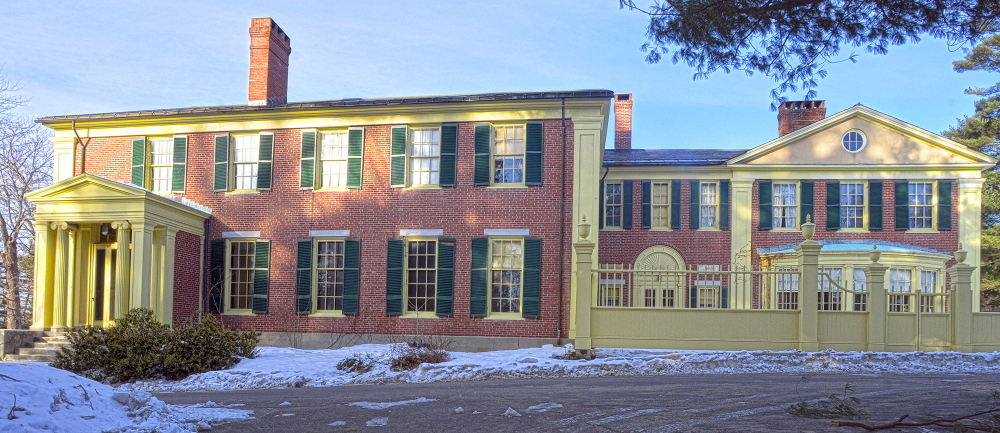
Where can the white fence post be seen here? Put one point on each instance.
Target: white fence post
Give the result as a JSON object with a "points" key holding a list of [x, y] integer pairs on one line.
{"points": [[808, 252], [877, 302], [584, 250], [961, 304]]}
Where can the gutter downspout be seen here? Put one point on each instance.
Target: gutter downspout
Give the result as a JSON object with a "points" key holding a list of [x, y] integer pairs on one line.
{"points": [[562, 229], [83, 151]]}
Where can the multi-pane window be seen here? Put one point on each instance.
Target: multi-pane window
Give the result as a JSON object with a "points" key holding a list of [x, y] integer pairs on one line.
{"points": [[508, 154], [785, 202], [421, 275], [612, 205], [921, 205], [928, 284], [241, 273], [709, 204], [830, 297], [425, 156], [708, 286], [660, 205], [246, 155], [900, 281], [860, 285], [162, 164], [787, 291], [852, 205], [505, 279], [333, 154], [329, 275]]}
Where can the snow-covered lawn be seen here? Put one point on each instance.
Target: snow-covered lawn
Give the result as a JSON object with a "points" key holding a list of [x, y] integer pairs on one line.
{"points": [[287, 368], [49, 399]]}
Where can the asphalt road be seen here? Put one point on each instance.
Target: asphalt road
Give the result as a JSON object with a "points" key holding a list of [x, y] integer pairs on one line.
{"points": [[705, 403]]}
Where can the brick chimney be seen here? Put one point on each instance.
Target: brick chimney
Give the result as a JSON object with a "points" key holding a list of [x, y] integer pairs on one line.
{"points": [[269, 50], [623, 121], [795, 115]]}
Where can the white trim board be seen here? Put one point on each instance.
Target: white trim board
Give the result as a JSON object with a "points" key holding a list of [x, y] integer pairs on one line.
{"points": [[228, 235], [505, 232]]}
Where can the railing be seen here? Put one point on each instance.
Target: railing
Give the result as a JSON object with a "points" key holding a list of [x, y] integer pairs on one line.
{"points": [[625, 286], [835, 297]]}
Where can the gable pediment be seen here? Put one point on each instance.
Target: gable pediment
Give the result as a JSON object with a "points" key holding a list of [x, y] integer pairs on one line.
{"points": [[888, 141], [85, 186]]}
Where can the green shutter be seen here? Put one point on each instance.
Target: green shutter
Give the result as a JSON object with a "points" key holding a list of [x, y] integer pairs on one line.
{"points": [[765, 195], [222, 162], [139, 162], [355, 155], [675, 204], [875, 205], [694, 213], [394, 277], [724, 297], [944, 205], [627, 204], [216, 271], [723, 205], [902, 202], [482, 174], [397, 161], [604, 208], [352, 276], [307, 164], [264, 163], [693, 297], [445, 277], [303, 276], [531, 306], [833, 205], [533, 154], [647, 205], [177, 183], [261, 276], [479, 279], [806, 205], [449, 150]]}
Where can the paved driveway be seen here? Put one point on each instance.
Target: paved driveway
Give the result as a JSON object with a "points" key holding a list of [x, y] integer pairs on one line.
{"points": [[708, 403]]}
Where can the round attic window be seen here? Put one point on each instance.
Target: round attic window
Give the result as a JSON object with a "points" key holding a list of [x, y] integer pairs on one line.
{"points": [[854, 141]]}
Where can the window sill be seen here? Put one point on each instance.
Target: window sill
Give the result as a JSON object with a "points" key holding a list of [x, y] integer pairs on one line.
{"points": [[785, 230], [709, 229], [853, 231], [334, 313], [660, 229], [419, 315], [612, 229], [243, 191], [507, 185], [238, 313], [922, 231], [332, 189], [504, 316], [420, 187]]}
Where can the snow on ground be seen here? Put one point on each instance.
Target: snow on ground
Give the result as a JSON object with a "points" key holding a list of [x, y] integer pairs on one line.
{"points": [[288, 368], [49, 399]]}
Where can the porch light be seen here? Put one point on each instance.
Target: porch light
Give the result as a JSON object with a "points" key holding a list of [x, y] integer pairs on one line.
{"points": [[105, 229], [584, 228]]}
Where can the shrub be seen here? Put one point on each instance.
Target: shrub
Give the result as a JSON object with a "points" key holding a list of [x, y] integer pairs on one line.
{"points": [[138, 347], [432, 350], [578, 355], [358, 363]]}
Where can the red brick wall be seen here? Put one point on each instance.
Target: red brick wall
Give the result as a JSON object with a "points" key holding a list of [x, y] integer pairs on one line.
{"points": [[697, 247], [187, 274], [375, 213]]}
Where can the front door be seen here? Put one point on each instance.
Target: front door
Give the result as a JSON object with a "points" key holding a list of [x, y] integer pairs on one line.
{"points": [[103, 285]]}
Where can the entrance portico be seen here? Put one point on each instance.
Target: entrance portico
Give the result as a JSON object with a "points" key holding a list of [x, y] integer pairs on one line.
{"points": [[104, 247]]}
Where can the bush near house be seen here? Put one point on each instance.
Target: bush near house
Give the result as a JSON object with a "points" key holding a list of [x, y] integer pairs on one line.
{"points": [[138, 347]]}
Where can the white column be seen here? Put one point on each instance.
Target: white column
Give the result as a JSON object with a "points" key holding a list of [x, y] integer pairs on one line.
{"points": [[41, 318], [970, 206], [60, 288], [122, 277], [71, 278], [142, 260], [740, 246]]}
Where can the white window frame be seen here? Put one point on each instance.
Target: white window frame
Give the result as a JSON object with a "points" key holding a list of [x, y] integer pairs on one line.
{"points": [[334, 159], [433, 160], [228, 281], [830, 298], [406, 277], [494, 154], [704, 208], [931, 207], [844, 185], [315, 276], [775, 218], [166, 167], [656, 206], [520, 273], [708, 286], [620, 205], [900, 281], [245, 182]]}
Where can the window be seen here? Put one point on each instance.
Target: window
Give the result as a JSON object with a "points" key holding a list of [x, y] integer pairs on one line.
{"points": [[421, 275], [709, 204], [333, 155], [860, 285], [900, 281], [660, 205], [785, 201], [242, 256], [425, 156], [508, 154], [787, 290], [708, 286], [505, 275], [929, 284], [921, 205], [612, 205], [162, 164], [854, 141], [830, 297], [852, 205], [329, 275], [246, 155]]}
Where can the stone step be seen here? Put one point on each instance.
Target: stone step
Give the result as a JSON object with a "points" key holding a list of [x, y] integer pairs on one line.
{"points": [[43, 351], [40, 344], [28, 358], [56, 340]]}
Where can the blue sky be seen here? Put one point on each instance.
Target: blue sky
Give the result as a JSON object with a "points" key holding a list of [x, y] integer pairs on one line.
{"points": [[75, 57]]}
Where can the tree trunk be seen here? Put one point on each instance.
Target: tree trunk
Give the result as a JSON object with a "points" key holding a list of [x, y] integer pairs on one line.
{"points": [[13, 288]]}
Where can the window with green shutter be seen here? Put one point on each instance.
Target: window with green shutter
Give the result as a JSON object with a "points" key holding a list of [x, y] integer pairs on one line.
{"points": [[445, 277], [765, 211], [534, 136], [694, 221], [532, 280], [247, 275], [221, 162], [261, 276], [355, 156], [216, 275], [944, 205], [647, 204], [627, 204], [724, 207], [875, 205], [303, 276], [397, 158], [902, 204], [509, 154], [394, 277], [675, 204], [264, 160], [479, 277], [833, 205], [307, 161], [449, 152], [806, 205], [352, 276], [482, 174], [139, 162], [178, 177]]}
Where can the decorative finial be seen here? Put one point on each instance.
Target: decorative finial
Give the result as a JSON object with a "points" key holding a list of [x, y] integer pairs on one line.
{"points": [[874, 254], [584, 228], [961, 254], [808, 228]]}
